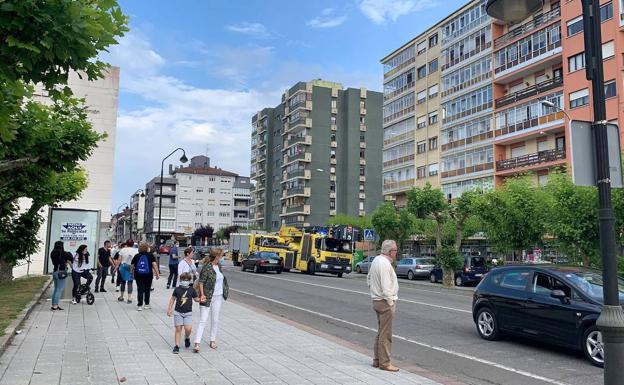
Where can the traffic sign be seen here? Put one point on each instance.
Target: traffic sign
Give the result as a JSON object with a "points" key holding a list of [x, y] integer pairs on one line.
{"points": [[369, 235]]}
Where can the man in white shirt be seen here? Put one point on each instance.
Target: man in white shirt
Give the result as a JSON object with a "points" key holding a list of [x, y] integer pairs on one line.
{"points": [[384, 289]]}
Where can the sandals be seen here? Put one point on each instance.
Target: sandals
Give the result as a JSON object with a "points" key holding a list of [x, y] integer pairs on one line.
{"points": [[213, 345], [196, 348]]}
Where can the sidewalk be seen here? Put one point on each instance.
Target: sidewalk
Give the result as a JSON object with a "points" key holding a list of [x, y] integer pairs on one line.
{"points": [[110, 340]]}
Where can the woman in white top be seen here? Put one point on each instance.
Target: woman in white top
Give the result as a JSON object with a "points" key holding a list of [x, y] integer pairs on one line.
{"points": [[213, 290], [186, 265], [80, 270]]}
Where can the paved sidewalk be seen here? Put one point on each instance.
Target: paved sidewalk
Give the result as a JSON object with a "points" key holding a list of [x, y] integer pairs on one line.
{"points": [[110, 340]]}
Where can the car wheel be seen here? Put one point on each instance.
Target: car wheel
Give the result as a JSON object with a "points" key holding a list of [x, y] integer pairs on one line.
{"points": [[256, 269], [432, 278], [242, 267], [279, 271], [487, 325], [593, 346], [459, 281], [358, 270], [339, 275], [410, 275], [311, 267]]}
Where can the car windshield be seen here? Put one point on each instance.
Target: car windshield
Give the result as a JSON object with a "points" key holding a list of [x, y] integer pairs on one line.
{"points": [[336, 245], [268, 256], [424, 261], [591, 284], [478, 262]]}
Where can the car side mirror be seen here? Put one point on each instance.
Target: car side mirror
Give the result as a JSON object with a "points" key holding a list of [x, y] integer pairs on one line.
{"points": [[559, 294]]}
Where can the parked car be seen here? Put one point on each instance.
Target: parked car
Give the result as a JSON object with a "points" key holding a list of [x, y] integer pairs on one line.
{"points": [[555, 304], [473, 271], [363, 266], [263, 261], [164, 249], [413, 268]]}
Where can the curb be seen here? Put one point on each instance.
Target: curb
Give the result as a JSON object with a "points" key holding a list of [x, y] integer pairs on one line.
{"points": [[9, 332]]}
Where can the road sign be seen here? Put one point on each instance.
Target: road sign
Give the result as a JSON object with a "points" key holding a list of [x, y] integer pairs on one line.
{"points": [[583, 156], [369, 235]]}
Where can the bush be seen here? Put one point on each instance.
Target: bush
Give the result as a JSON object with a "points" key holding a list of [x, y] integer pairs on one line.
{"points": [[449, 259], [620, 265]]}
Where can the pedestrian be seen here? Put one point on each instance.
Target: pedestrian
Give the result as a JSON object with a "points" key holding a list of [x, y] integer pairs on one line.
{"points": [[59, 258], [384, 289], [117, 263], [186, 265], [80, 270], [174, 259], [126, 254], [182, 297], [213, 290], [114, 251], [144, 269], [104, 262]]}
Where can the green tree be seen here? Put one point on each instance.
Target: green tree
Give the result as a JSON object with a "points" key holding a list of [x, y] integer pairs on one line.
{"points": [[389, 223], [429, 203], [449, 260]]}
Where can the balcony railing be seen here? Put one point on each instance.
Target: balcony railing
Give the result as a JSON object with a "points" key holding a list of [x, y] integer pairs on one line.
{"points": [[533, 53], [531, 159], [467, 112], [466, 56], [399, 67], [468, 170], [527, 115], [296, 191], [529, 91], [398, 91], [467, 84], [295, 209], [399, 114], [395, 186], [401, 160], [537, 21], [466, 29], [296, 174], [409, 135]]}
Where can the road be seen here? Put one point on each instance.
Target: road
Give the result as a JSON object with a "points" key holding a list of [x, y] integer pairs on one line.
{"points": [[433, 328]]}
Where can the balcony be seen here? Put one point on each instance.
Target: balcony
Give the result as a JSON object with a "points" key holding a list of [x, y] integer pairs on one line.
{"points": [[398, 161], [298, 174], [468, 170], [305, 139], [305, 191], [303, 209], [465, 56], [398, 186], [304, 156], [399, 114], [529, 91], [531, 159], [399, 67], [537, 22], [532, 54], [406, 136], [398, 91], [530, 115]]}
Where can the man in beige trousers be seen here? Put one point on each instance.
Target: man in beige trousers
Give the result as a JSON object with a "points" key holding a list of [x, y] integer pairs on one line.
{"points": [[384, 289]]}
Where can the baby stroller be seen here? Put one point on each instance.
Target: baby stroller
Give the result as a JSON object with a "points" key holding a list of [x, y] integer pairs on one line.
{"points": [[85, 289]]}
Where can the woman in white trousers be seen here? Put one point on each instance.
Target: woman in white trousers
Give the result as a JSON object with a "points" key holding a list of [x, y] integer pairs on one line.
{"points": [[213, 290]]}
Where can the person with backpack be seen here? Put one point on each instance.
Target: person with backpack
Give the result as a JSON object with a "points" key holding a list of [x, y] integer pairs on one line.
{"points": [[80, 270], [174, 259], [144, 269], [59, 258], [182, 297], [186, 265], [126, 256]]}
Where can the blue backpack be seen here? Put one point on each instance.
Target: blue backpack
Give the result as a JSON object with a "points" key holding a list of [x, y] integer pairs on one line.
{"points": [[143, 267]]}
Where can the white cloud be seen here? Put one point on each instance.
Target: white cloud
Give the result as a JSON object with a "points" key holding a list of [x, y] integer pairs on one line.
{"points": [[327, 19], [380, 11], [253, 29]]}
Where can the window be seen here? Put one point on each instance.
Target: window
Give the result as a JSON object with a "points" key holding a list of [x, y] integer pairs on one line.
{"points": [[433, 40], [514, 279], [332, 204], [433, 143], [607, 50], [332, 170], [606, 11], [433, 65], [224, 214], [361, 205], [421, 147], [211, 190], [610, 90], [421, 97], [421, 122], [575, 26], [421, 72], [362, 155], [579, 98], [542, 179], [433, 169], [433, 117], [576, 62], [544, 284], [362, 171], [420, 172], [433, 90], [210, 213], [199, 189], [362, 187], [422, 47], [211, 179]]}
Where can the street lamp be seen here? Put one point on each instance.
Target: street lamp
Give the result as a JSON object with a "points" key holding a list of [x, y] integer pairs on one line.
{"points": [[118, 220], [611, 320], [132, 208], [548, 103], [183, 159]]}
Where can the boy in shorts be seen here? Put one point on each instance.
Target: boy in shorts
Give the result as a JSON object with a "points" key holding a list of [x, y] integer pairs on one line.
{"points": [[183, 297]]}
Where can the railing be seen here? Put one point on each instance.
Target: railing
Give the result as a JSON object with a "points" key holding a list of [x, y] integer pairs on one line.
{"points": [[398, 161], [392, 186], [466, 56], [295, 191], [537, 21], [534, 53], [399, 114], [466, 84], [295, 209], [400, 67], [409, 135], [467, 112], [529, 91], [468, 170], [295, 174], [398, 91], [466, 29], [467, 141], [298, 139], [531, 159]]}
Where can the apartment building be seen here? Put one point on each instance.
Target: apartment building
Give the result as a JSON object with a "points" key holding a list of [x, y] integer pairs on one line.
{"points": [[316, 154], [137, 203], [153, 191], [241, 197], [411, 116]]}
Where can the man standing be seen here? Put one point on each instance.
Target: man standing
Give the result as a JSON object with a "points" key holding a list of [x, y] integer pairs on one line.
{"points": [[384, 289], [104, 262], [174, 259]]}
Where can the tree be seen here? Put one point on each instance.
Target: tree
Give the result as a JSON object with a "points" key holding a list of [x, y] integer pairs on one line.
{"points": [[203, 233], [390, 224], [229, 230], [449, 260], [429, 203]]}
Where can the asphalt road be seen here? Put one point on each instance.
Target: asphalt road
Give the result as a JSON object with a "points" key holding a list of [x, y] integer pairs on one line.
{"points": [[433, 328]]}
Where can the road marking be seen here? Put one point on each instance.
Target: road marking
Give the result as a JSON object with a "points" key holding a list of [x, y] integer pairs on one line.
{"points": [[365, 293], [437, 348]]}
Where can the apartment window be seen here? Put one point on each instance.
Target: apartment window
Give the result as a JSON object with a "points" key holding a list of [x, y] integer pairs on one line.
{"points": [[421, 72], [575, 26], [433, 91], [421, 122], [211, 190], [420, 172], [607, 50], [361, 187], [362, 171], [332, 170], [433, 143], [361, 205], [362, 153], [362, 119], [332, 137], [421, 147], [211, 179], [433, 65], [332, 186], [433, 40], [332, 204], [362, 137], [433, 169], [210, 213], [610, 90], [606, 12], [576, 62], [421, 97], [579, 98], [333, 103], [333, 120], [198, 213], [433, 117], [223, 214], [199, 189], [422, 47]]}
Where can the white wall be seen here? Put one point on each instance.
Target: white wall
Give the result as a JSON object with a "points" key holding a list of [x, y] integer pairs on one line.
{"points": [[189, 201]]}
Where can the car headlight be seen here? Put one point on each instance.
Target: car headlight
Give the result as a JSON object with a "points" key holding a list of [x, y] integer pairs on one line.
{"points": [[348, 267]]}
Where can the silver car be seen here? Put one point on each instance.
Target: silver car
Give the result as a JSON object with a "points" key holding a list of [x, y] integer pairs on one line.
{"points": [[413, 268], [363, 266]]}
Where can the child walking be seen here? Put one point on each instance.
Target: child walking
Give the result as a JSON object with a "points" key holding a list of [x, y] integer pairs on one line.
{"points": [[182, 297]]}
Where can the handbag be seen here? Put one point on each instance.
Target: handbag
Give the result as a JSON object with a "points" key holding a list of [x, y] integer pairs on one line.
{"points": [[62, 274]]}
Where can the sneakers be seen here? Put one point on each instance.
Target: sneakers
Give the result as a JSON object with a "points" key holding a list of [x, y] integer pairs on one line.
{"points": [[97, 291], [147, 307], [128, 301], [139, 308], [168, 286], [187, 342], [74, 301], [120, 299], [117, 289], [101, 291], [176, 349]]}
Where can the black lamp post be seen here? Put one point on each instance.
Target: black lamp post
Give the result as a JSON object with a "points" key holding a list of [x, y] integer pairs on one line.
{"points": [[117, 234], [183, 159], [611, 320], [136, 193]]}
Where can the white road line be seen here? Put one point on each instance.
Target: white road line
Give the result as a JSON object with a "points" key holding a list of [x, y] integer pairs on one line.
{"points": [[437, 348], [364, 293]]}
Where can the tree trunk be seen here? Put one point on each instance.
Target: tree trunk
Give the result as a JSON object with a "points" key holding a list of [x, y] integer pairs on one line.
{"points": [[448, 277], [6, 271], [439, 229], [10, 165]]}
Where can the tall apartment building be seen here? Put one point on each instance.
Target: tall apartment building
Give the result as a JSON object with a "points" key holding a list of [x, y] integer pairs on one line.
{"points": [[411, 116], [316, 154], [153, 190], [137, 203], [241, 196]]}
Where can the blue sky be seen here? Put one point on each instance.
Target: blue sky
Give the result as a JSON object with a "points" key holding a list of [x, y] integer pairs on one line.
{"points": [[193, 72]]}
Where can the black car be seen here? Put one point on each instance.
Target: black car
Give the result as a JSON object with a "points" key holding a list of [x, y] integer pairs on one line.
{"points": [[552, 303], [473, 271], [263, 261]]}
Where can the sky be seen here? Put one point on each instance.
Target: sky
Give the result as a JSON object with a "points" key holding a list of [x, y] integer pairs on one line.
{"points": [[194, 72]]}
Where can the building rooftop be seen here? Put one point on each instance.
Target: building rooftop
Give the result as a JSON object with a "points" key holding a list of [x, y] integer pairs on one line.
{"points": [[203, 171]]}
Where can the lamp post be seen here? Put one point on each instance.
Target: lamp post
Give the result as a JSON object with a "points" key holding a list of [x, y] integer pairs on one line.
{"points": [[183, 159], [117, 235], [136, 193], [611, 319]]}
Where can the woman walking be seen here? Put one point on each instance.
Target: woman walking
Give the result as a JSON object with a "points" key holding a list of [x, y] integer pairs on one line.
{"points": [[59, 258], [80, 270], [213, 290], [144, 269]]}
